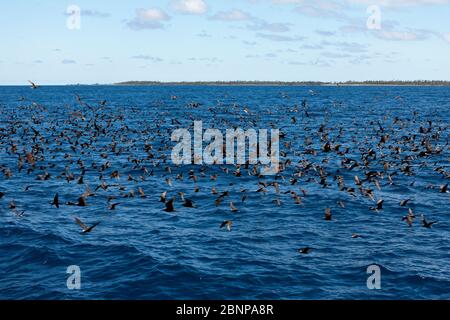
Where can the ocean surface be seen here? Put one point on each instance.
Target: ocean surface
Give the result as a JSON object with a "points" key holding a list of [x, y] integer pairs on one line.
{"points": [[56, 135]]}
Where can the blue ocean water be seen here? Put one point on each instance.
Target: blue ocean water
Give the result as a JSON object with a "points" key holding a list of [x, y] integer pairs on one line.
{"points": [[140, 251]]}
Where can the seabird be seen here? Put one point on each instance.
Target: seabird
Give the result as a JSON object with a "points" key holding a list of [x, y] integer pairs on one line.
{"points": [[379, 206], [85, 228], [328, 215], [113, 206], [228, 224], [33, 85], [427, 224], [305, 250], [188, 203], [169, 206], [55, 201], [404, 202], [81, 202]]}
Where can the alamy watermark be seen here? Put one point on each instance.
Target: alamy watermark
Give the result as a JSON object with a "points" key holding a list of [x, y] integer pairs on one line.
{"points": [[74, 280], [374, 20], [73, 21], [261, 151], [374, 280]]}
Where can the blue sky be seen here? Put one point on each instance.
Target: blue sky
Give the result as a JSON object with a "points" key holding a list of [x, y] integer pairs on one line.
{"points": [[188, 40]]}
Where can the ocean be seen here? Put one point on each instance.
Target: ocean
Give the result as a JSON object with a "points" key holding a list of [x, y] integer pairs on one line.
{"points": [[66, 138]]}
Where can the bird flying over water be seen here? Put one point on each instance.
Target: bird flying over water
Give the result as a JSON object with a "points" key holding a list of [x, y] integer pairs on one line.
{"points": [[55, 201], [409, 218], [33, 85], [228, 224], [169, 206], [86, 229], [427, 224]]}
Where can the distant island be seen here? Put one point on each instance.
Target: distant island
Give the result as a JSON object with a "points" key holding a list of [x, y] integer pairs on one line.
{"points": [[283, 83]]}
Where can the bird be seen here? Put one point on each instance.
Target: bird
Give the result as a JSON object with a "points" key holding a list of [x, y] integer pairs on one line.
{"points": [[163, 197], [404, 202], [86, 229], [33, 85], [427, 224], [113, 206], [169, 206], [81, 202], [2, 194], [55, 201], [356, 236], [233, 208], [328, 215], [305, 250], [141, 192], [379, 206], [341, 204], [188, 203], [228, 224], [443, 189], [409, 218], [19, 214]]}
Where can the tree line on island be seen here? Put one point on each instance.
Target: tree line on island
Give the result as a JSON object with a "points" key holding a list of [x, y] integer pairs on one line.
{"points": [[289, 83]]}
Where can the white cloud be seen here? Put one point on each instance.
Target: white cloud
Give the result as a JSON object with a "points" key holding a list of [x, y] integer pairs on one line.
{"points": [[388, 3], [94, 13], [231, 15], [446, 37], [68, 61], [325, 33], [262, 25], [397, 35], [279, 38], [190, 6], [90, 13], [322, 9], [152, 14], [148, 58], [399, 3], [148, 19]]}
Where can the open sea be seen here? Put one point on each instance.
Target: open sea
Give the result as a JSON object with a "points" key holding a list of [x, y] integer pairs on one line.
{"points": [[116, 140]]}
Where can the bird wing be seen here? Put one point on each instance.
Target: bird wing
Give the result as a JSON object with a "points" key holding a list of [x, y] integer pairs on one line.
{"points": [[81, 224], [93, 226], [169, 204]]}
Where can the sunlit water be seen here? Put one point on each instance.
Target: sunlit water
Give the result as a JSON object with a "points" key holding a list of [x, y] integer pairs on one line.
{"points": [[141, 252]]}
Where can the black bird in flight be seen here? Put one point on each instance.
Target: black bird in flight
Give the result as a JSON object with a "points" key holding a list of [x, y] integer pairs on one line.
{"points": [[427, 224], [113, 206], [188, 203], [81, 202], [55, 201], [86, 229], [169, 206], [33, 85]]}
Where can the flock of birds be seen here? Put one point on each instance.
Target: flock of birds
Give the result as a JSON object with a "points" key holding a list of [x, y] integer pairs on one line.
{"points": [[376, 155]]}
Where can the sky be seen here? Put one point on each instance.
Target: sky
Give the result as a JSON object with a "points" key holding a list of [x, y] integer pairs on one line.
{"points": [[100, 41]]}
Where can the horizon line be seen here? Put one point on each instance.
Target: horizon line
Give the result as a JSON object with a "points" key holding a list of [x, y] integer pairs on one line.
{"points": [[250, 82]]}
